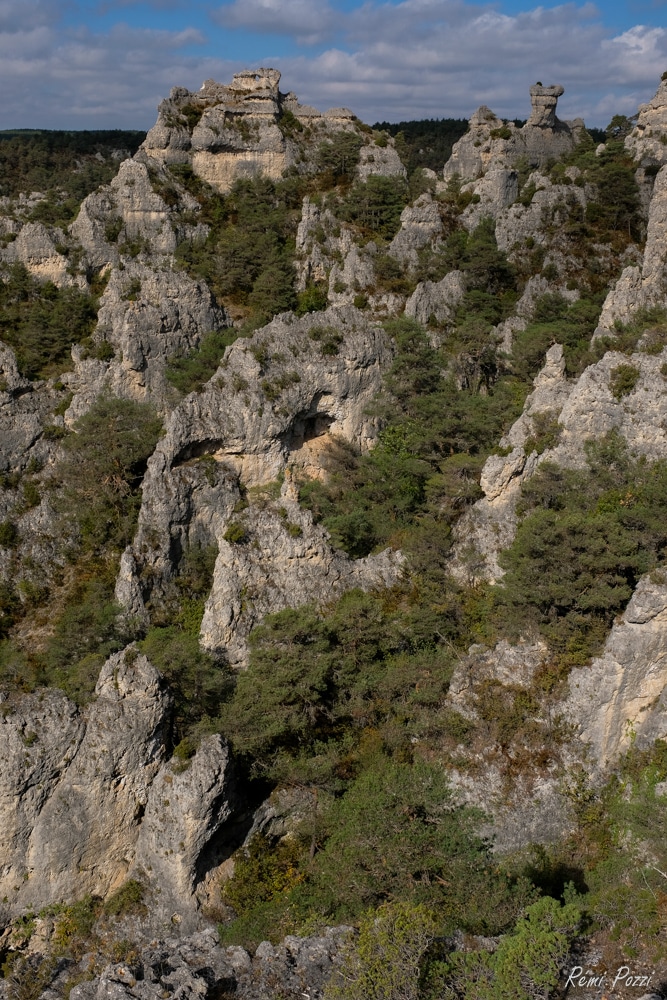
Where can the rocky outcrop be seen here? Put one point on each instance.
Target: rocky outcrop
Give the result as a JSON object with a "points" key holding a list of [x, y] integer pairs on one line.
{"points": [[146, 315], [87, 797], [36, 248], [644, 286], [196, 967], [272, 406], [379, 161], [490, 142], [620, 698], [437, 300], [249, 128], [421, 226], [646, 142], [284, 561], [580, 411]]}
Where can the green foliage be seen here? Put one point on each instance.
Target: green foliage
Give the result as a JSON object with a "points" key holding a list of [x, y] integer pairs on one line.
{"points": [[128, 899], [75, 162], [85, 634], [262, 873], [247, 257], [426, 143], [338, 157], [384, 962], [235, 533], [375, 206], [9, 534], [198, 681], [101, 472], [525, 965], [622, 380], [423, 469], [41, 322], [312, 299], [189, 372], [585, 539]]}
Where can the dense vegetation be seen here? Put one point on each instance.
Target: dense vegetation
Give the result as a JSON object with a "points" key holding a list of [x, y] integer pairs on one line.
{"points": [[41, 321], [71, 163], [344, 704]]}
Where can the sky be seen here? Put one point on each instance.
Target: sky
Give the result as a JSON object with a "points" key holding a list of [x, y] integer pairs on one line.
{"points": [[107, 63]]}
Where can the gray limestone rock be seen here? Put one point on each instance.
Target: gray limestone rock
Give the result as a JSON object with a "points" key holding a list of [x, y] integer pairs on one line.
{"points": [[271, 408], [438, 300], [584, 410], [187, 805], [644, 286], [146, 314], [492, 142], [620, 698], [421, 226], [380, 161], [88, 797], [35, 247], [73, 799]]}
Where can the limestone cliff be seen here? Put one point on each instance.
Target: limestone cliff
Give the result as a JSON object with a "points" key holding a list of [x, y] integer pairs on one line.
{"points": [[274, 402]]}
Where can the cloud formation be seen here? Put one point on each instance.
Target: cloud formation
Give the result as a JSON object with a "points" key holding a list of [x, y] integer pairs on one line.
{"points": [[307, 21], [385, 60], [431, 58]]}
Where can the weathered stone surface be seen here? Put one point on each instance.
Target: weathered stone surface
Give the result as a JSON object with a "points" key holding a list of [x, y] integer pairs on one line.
{"points": [[284, 569], [621, 697], [645, 286], [185, 808], [439, 300], [25, 408], [146, 314], [491, 142], [584, 410], [272, 405], [88, 797], [195, 967], [646, 141], [380, 161], [421, 225], [72, 800], [35, 247], [241, 130]]}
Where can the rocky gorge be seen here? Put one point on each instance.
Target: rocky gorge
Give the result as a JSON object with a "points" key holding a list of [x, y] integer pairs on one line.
{"points": [[332, 558]]}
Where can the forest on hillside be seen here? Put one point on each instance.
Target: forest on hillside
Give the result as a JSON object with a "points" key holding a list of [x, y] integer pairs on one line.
{"points": [[345, 701]]}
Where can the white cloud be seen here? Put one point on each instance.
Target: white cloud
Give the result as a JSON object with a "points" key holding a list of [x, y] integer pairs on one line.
{"points": [[411, 59], [431, 58], [308, 21]]}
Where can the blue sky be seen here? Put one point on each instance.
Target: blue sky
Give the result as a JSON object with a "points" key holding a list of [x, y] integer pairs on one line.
{"points": [[108, 63]]}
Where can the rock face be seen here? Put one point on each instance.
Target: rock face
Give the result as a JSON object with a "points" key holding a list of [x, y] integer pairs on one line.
{"points": [[490, 142], [621, 697], [249, 128], [645, 286], [146, 315], [273, 404], [82, 794], [579, 411]]}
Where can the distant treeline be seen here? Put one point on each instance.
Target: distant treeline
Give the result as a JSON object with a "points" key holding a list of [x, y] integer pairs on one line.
{"points": [[426, 143], [74, 162]]}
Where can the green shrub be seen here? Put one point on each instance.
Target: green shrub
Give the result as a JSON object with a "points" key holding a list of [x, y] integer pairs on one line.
{"points": [[9, 534], [235, 533], [385, 960], [189, 372], [128, 899], [622, 380], [41, 322], [101, 472]]}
